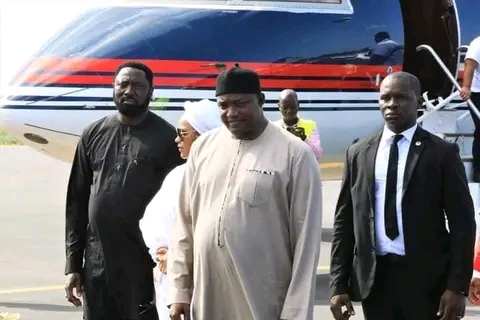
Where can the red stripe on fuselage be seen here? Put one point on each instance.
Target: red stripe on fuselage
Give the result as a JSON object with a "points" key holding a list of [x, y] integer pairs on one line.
{"points": [[203, 67], [39, 79]]}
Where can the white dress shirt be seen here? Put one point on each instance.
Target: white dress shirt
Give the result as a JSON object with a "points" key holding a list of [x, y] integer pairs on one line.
{"points": [[474, 54], [383, 242]]}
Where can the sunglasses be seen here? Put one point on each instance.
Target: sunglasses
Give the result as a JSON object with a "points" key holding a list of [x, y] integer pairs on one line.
{"points": [[182, 133]]}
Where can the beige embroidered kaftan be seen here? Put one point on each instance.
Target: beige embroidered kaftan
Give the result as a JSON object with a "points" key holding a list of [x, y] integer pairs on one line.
{"points": [[247, 237]]}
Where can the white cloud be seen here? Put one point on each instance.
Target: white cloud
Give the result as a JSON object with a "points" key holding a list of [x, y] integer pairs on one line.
{"points": [[25, 26]]}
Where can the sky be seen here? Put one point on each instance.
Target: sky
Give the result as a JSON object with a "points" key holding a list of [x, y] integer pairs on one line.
{"points": [[25, 25]]}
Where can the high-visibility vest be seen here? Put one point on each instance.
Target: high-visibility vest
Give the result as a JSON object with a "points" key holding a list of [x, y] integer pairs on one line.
{"points": [[476, 260], [307, 125]]}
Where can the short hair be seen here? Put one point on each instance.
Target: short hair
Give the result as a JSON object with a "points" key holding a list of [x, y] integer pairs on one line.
{"points": [[408, 78], [137, 65], [382, 35]]}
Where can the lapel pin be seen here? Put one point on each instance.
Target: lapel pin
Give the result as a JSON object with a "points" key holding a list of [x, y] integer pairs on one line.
{"points": [[418, 143]]}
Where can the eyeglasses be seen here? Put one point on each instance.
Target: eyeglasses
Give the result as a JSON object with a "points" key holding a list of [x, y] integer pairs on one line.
{"points": [[182, 133]]}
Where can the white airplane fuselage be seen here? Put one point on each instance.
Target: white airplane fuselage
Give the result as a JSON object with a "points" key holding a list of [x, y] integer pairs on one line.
{"points": [[323, 52]]}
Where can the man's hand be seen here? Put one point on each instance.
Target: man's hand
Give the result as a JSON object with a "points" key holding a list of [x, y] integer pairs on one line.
{"points": [[74, 280], [474, 293], [297, 131], [162, 254], [337, 303], [465, 93], [178, 309], [452, 306]]}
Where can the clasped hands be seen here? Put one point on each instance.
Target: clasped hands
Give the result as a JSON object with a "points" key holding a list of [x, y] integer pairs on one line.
{"points": [[161, 258], [298, 131]]}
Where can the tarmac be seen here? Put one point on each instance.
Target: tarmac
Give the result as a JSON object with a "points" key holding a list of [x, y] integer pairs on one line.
{"points": [[32, 197]]}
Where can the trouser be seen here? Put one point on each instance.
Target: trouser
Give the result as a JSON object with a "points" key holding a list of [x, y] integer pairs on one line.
{"points": [[476, 135], [104, 302], [109, 311], [396, 296]]}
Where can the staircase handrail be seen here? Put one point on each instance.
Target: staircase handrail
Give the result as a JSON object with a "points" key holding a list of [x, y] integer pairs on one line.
{"points": [[459, 57], [434, 108], [449, 75]]}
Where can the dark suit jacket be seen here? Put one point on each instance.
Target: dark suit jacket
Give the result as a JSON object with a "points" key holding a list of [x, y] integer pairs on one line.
{"points": [[435, 185]]}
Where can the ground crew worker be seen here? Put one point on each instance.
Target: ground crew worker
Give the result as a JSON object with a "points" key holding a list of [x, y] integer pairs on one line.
{"points": [[303, 128], [471, 90]]}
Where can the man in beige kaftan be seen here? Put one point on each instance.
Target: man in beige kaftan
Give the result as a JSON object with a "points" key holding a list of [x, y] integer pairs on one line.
{"points": [[247, 237]]}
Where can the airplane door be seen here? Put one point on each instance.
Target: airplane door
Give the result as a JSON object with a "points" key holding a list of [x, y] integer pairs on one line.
{"points": [[430, 22]]}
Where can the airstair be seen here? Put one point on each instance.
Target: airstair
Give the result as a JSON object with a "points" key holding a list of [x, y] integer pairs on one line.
{"points": [[450, 119]]}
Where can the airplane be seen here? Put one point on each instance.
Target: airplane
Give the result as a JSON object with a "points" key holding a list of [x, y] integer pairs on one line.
{"points": [[320, 48]]}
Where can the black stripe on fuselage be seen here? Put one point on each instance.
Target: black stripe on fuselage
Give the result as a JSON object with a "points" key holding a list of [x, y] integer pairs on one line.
{"points": [[360, 107], [180, 108], [66, 98], [109, 86], [52, 130]]}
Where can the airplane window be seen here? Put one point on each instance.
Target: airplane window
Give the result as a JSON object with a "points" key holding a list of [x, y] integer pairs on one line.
{"points": [[195, 34], [201, 41]]}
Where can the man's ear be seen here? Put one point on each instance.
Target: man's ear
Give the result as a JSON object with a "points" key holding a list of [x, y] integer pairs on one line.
{"points": [[151, 94], [261, 99], [419, 103]]}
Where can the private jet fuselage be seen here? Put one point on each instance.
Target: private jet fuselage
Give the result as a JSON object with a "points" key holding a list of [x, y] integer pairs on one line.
{"points": [[322, 49]]}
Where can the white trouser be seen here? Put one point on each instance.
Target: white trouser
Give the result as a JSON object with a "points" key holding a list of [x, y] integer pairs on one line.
{"points": [[161, 294]]}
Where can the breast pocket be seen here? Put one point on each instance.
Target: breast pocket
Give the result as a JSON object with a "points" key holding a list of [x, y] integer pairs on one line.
{"points": [[255, 187], [140, 172]]}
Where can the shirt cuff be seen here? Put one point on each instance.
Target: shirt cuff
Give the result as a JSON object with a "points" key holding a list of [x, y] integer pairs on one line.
{"points": [[74, 264], [179, 296], [476, 274]]}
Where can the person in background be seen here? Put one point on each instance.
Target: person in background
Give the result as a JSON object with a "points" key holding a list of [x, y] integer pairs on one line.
{"points": [[247, 237], [302, 128], [157, 223], [471, 90], [119, 165], [386, 51], [391, 249]]}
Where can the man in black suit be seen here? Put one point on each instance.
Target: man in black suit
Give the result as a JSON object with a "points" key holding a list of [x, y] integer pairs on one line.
{"points": [[391, 249]]}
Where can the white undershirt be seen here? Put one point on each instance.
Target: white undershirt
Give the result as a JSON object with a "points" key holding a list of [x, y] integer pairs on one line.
{"points": [[384, 244], [474, 54]]}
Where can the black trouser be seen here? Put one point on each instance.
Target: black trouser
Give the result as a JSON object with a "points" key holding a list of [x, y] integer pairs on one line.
{"points": [[395, 294], [476, 135]]}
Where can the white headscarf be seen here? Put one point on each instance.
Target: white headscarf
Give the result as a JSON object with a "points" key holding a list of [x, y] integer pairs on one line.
{"points": [[203, 115]]}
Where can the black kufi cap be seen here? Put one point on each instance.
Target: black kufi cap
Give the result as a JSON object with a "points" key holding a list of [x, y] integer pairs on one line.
{"points": [[238, 80]]}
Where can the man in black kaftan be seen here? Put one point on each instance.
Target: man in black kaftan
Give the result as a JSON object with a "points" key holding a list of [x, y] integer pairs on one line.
{"points": [[119, 165]]}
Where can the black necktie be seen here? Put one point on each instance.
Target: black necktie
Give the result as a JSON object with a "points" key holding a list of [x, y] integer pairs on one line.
{"points": [[391, 225]]}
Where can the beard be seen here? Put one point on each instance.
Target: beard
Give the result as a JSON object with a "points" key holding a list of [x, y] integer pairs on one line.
{"points": [[132, 110]]}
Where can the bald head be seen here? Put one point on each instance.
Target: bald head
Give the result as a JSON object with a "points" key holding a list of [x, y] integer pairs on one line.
{"points": [[405, 79], [399, 101], [288, 94], [288, 105]]}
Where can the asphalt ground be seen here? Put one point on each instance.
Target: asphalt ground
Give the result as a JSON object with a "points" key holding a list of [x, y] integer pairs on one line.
{"points": [[32, 197]]}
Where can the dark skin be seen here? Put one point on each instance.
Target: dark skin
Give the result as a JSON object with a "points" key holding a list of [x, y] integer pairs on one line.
{"points": [[288, 105], [399, 100], [132, 94], [243, 115]]}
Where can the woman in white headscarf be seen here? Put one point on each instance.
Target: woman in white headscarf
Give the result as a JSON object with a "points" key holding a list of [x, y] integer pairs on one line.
{"points": [[157, 223]]}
